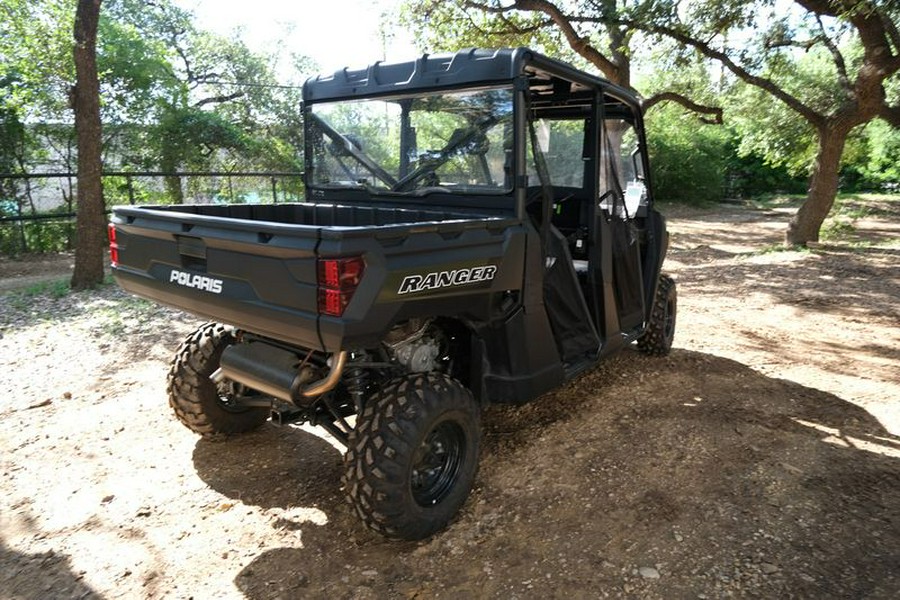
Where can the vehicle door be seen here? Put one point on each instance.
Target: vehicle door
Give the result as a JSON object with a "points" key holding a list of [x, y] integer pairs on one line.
{"points": [[560, 200], [622, 199]]}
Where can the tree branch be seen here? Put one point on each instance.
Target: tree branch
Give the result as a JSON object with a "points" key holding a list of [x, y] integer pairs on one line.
{"points": [[187, 63], [517, 29], [218, 99], [198, 80], [785, 43], [578, 43], [687, 103], [875, 29], [820, 7], [511, 27], [838, 57], [707, 50]]}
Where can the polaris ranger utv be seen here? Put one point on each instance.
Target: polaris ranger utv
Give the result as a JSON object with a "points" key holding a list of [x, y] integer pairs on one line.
{"points": [[478, 227]]}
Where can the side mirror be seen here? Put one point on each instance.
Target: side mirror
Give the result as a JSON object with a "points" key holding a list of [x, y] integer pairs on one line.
{"points": [[636, 164]]}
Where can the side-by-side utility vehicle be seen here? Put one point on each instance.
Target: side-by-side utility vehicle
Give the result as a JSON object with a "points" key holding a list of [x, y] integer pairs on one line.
{"points": [[478, 227]]}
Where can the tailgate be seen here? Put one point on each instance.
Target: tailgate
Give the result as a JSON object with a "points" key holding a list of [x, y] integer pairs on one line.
{"points": [[259, 276]]}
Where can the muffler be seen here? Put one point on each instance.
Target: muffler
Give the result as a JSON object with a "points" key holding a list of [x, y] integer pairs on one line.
{"points": [[275, 371]]}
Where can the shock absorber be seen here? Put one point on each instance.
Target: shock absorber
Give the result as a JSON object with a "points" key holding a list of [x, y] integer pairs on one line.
{"points": [[356, 379]]}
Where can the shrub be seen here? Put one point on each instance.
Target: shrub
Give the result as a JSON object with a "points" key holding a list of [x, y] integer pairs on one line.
{"points": [[688, 159]]}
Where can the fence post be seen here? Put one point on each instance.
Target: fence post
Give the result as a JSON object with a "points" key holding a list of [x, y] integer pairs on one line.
{"points": [[274, 192], [23, 243], [130, 189]]}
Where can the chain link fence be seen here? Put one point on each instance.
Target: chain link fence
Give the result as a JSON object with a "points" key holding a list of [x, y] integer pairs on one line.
{"points": [[37, 210]]}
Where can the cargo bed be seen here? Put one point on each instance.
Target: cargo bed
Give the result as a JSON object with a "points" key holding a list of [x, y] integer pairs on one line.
{"points": [[257, 266]]}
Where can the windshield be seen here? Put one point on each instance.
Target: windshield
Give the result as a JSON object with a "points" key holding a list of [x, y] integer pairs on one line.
{"points": [[443, 142]]}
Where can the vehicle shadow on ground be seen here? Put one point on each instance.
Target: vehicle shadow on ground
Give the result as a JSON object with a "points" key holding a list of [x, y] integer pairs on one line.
{"points": [[273, 467], [39, 576], [779, 488]]}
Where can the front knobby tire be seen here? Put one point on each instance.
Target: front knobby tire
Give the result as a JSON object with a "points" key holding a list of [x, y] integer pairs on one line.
{"points": [[660, 333], [201, 405], [413, 455]]}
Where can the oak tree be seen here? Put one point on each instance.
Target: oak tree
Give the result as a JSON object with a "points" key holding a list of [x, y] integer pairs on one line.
{"points": [[758, 42], [85, 102], [754, 41]]}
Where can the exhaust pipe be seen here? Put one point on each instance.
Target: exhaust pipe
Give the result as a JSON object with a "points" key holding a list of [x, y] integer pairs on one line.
{"points": [[331, 380], [275, 371]]}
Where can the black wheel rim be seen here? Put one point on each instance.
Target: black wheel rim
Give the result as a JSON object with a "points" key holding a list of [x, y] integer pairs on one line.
{"points": [[436, 464]]}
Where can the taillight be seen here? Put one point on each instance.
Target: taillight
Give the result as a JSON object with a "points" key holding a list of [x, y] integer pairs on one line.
{"points": [[338, 280], [113, 245]]}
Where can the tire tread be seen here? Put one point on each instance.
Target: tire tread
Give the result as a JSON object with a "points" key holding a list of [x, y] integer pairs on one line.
{"points": [[381, 448], [192, 396]]}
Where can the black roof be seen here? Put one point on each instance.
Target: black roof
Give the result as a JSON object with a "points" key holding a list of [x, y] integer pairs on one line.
{"points": [[468, 67]]}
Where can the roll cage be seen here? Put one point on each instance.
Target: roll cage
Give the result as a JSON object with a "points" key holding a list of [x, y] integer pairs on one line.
{"points": [[574, 167], [544, 88]]}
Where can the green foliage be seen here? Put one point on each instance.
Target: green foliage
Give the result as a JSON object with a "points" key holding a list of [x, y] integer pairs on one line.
{"points": [[36, 45], [769, 129], [447, 26], [173, 96], [877, 164], [136, 76], [688, 161], [12, 138], [750, 176], [45, 235], [189, 137]]}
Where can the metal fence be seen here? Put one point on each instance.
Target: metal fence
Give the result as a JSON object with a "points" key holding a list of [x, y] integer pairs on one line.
{"points": [[37, 210]]}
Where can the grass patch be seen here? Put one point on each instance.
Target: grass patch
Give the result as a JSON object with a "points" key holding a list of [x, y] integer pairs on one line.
{"points": [[836, 229], [124, 314], [840, 226], [56, 289], [55, 302], [860, 206], [23, 299], [780, 247], [854, 206], [772, 201]]}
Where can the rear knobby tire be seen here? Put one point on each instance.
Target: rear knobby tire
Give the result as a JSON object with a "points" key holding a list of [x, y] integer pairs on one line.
{"points": [[413, 455], [660, 333], [201, 405]]}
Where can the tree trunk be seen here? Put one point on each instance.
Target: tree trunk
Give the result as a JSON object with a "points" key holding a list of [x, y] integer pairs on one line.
{"points": [[85, 100], [173, 187], [823, 186]]}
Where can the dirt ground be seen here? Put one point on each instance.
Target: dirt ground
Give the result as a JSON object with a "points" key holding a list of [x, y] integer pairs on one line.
{"points": [[761, 459]]}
